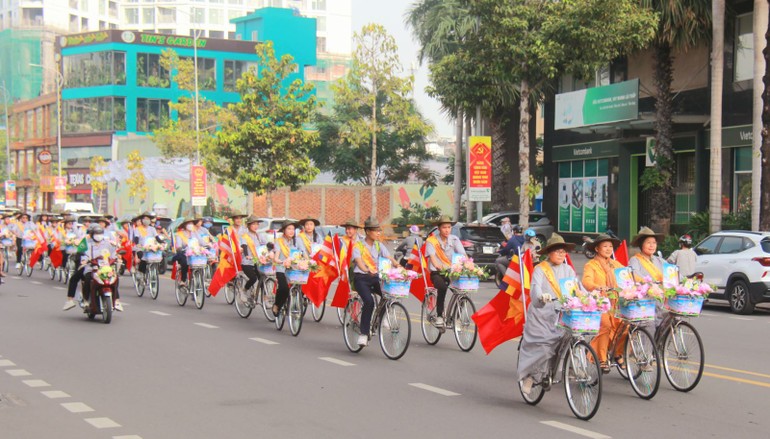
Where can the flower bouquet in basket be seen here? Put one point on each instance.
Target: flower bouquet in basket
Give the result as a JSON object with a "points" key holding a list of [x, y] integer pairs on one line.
{"points": [[582, 312], [299, 268], [29, 241], [465, 274], [153, 246], [687, 298], [6, 237], [196, 255], [636, 300], [396, 281], [264, 260]]}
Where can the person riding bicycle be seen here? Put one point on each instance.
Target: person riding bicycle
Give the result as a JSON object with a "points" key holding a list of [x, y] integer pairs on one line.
{"points": [[310, 238], [439, 250], [19, 229], [599, 274], [542, 333], [5, 234], [251, 241], [684, 258], [531, 243], [96, 246], [646, 264], [510, 248], [347, 243], [237, 225], [142, 232], [282, 258], [366, 255], [185, 231]]}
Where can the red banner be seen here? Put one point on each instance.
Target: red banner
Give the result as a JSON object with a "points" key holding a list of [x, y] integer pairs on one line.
{"points": [[198, 185], [480, 161]]}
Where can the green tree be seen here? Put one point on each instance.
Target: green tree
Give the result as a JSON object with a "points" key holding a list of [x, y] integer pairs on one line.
{"points": [[682, 25], [136, 182], [266, 147], [376, 100], [180, 136]]}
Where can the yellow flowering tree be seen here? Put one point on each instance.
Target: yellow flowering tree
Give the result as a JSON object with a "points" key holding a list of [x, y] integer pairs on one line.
{"points": [[97, 173], [137, 184]]}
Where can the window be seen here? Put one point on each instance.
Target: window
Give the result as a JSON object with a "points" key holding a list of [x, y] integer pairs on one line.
{"points": [[231, 35], [132, 15], [318, 5], [216, 16], [320, 44], [235, 2], [95, 68], [149, 72], [234, 13], [217, 34], [198, 16], [709, 246], [166, 15], [320, 23], [731, 244], [94, 115], [148, 16], [233, 71], [207, 75], [744, 47], [151, 114]]}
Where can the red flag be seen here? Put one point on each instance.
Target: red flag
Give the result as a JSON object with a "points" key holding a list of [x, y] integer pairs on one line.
{"points": [[569, 262], [40, 248], [502, 319], [418, 263], [56, 254], [226, 269], [235, 247], [621, 254], [317, 287], [174, 270], [341, 295], [128, 249]]}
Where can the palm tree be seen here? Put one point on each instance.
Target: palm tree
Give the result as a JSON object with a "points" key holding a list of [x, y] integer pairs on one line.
{"points": [[717, 75], [682, 25], [764, 200]]}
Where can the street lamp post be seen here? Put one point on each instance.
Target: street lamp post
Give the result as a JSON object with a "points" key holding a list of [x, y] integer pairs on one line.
{"points": [[6, 98], [59, 84]]}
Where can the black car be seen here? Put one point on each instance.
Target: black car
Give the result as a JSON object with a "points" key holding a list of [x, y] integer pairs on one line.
{"points": [[481, 242]]}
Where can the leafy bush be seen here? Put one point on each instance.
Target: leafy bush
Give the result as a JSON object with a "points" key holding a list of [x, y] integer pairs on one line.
{"points": [[415, 214], [699, 226], [740, 220]]}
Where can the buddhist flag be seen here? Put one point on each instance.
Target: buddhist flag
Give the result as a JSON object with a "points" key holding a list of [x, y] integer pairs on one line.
{"points": [[235, 247], [40, 247], [341, 295], [226, 269], [128, 249], [317, 287], [418, 263], [56, 254], [621, 254], [502, 319]]}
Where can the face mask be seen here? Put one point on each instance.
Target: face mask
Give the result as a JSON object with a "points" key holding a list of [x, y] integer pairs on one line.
{"points": [[146, 222], [190, 227], [98, 238]]}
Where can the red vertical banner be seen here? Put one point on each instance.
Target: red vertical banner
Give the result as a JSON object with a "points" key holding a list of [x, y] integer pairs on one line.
{"points": [[198, 185], [60, 190], [480, 162], [10, 193]]}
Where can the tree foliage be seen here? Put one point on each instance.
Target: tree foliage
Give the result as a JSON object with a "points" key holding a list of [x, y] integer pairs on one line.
{"points": [[137, 184], [266, 146]]}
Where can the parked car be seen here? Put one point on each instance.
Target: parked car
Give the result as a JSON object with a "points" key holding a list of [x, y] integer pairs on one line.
{"points": [[538, 221], [738, 263], [331, 230], [270, 226], [481, 242]]}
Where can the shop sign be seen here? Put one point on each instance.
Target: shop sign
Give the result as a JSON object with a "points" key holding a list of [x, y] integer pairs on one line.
{"points": [[597, 105], [44, 157], [79, 179], [60, 190], [198, 185], [583, 195], [480, 162], [47, 183], [10, 193]]}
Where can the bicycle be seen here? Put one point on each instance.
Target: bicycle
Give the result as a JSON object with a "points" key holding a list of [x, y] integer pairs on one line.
{"points": [[580, 373], [389, 319], [316, 311], [294, 308], [24, 267], [681, 351], [195, 288], [458, 318], [640, 366]]}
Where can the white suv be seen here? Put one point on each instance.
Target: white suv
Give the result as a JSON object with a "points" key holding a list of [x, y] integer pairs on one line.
{"points": [[738, 263]]}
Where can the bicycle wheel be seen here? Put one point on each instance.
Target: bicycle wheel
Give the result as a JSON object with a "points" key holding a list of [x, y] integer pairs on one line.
{"points": [[395, 330], [351, 324], [51, 271], [281, 317], [318, 311], [207, 279], [268, 298], [641, 363], [230, 292], [22, 263], [683, 356], [464, 326], [197, 288], [153, 280], [537, 391], [296, 310], [582, 380], [341, 315], [430, 333], [180, 292], [27, 267], [242, 308], [6, 255], [138, 279]]}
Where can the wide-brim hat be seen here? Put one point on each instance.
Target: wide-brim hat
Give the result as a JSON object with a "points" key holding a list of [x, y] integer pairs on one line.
{"points": [[308, 218], [21, 214], [444, 219], [371, 223], [555, 242], [91, 218], [185, 222], [351, 223], [602, 238], [235, 215], [251, 220], [286, 224], [644, 233], [104, 219], [69, 219], [143, 215]]}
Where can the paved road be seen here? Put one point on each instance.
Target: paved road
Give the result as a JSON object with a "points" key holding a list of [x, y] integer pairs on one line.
{"points": [[164, 371]]}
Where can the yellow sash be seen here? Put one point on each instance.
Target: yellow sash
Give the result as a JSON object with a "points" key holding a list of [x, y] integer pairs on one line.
{"points": [[307, 241], [284, 247], [367, 257], [550, 276], [439, 250], [651, 269], [181, 236], [345, 248], [252, 247], [143, 231]]}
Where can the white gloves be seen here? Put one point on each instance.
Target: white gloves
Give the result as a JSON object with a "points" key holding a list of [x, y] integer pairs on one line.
{"points": [[546, 298]]}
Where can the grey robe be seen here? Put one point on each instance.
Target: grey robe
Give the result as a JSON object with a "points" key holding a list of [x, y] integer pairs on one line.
{"points": [[541, 334], [639, 270]]}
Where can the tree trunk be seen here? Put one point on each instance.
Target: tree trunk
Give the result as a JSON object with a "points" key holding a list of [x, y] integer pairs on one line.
{"points": [[524, 154], [760, 28], [717, 77], [269, 203], [468, 203], [373, 173], [501, 170], [458, 183], [663, 193], [764, 201]]}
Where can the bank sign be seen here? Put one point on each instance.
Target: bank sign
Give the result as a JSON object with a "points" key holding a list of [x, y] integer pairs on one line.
{"points": [[598, 105]]}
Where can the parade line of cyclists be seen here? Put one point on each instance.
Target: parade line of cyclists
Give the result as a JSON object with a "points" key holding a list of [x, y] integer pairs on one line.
{"points": [[360, 254]]}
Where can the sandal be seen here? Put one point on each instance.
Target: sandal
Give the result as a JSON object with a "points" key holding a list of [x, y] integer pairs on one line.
{"points": [[276, 310], [604, 366], [621, 362]]}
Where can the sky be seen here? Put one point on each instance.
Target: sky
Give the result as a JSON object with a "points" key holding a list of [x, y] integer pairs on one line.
{"points": [[390, 14]]}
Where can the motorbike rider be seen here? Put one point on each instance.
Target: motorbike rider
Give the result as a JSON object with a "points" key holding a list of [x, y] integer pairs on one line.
{"points": [[408, 243], [509, 249], [439, 249], [531, 243], [96, 246]]}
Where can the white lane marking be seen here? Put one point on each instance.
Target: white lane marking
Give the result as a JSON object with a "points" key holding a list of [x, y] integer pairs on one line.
{"points": [[36, 282], [17, 372], [76, 407], [264, 341], [708, 314], [36, 383], [438, 390], [5, 363], [206, 325], [15, 277], [55, 394], [160, 313], [576, 430], [336, 361], [59, 288], [130, 436], [102, 422], [741, 318]]}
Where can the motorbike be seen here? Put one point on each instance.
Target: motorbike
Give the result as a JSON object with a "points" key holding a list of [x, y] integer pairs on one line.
{"points": [[103, 282], [587, 241]]}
